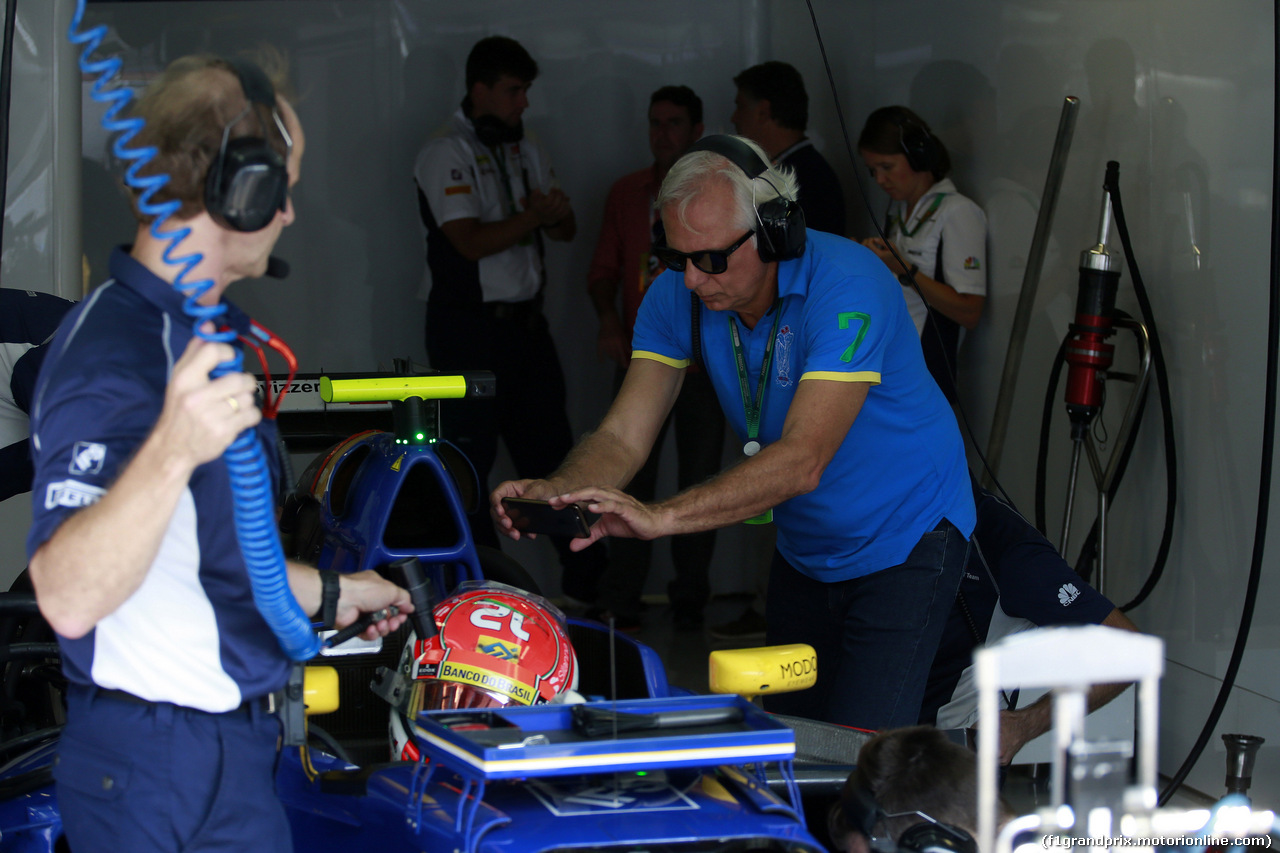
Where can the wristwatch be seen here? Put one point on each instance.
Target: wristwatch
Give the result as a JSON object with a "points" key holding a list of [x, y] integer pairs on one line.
{"points": [[330, 590], [908, 278]]}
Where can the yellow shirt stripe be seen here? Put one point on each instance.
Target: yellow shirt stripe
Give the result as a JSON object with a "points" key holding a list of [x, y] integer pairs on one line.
{"points": [[653, 356], [861, 376]]}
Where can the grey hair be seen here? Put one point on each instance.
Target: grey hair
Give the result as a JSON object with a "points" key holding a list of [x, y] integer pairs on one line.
{"points": [[693, 172]]}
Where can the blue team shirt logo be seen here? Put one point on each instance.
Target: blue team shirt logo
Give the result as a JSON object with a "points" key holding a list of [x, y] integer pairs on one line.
{"points": [[87, 458], [782, 358], [71, 494]]}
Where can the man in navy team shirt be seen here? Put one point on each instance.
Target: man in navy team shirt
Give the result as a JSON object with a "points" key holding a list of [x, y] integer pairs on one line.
{"points": [[170, 743]]}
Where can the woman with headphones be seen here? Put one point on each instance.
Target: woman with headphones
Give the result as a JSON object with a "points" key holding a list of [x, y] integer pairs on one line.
{"points": [[939, 235]]}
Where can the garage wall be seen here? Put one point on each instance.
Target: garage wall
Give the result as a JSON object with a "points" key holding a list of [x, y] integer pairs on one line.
{"points": [[1179, 92], [375, 79]]}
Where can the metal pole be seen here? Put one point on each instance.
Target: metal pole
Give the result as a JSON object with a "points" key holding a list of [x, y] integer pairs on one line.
{"points": [[1071, 495], [1103, 508], [1030, 283]]}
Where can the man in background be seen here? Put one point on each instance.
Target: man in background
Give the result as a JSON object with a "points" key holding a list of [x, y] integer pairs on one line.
{"points": [[1014, 580], [623, 261], [772, 109], [489, 198]]}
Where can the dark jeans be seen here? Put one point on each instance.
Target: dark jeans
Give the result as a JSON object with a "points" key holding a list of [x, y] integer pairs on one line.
{"points": [[875, 635], [528, 413], [157, 777], [699, 426]]}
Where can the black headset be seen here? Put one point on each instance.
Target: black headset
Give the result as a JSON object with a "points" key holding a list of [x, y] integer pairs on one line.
{"points": [[863, 813], [493, 131], [781, 220], [923, 151], [248, 181]]}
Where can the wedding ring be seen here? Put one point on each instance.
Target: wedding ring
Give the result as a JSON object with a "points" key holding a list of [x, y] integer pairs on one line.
{"points": [[233, 403]]}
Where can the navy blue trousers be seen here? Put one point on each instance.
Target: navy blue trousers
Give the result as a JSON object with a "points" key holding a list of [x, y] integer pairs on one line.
{"points": [[875, 635], [158, 777]]}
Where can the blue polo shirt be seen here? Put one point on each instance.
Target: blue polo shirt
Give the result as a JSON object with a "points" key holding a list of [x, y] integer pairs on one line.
{"points": [[190, 634], [901, 468]]}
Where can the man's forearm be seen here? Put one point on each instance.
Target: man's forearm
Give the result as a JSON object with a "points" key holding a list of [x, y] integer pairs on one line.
{"points": [[1025, 724], [743, 491], [601, 458], [475, 240]]}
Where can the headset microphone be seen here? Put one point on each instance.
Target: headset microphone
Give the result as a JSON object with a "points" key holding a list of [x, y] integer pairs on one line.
{"points": [[1087, 353]]}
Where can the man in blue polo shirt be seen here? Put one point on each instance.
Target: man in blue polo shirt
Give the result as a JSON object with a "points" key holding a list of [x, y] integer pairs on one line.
{"points": [[849, 446], [169, 743]]}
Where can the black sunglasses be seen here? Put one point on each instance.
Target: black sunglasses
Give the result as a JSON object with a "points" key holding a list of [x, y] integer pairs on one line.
{"points": [[710, 261]]}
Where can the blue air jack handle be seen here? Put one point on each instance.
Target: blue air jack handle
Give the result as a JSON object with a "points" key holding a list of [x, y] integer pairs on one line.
{"points": [[246, 463]]}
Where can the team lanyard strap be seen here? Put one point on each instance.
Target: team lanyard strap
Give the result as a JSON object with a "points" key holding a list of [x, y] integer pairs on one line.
{"points": [[500, 159], [753, 408], [925, 217]]}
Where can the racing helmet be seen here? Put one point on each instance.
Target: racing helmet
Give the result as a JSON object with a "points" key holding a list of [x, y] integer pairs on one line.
{"points": [[497, 646]]}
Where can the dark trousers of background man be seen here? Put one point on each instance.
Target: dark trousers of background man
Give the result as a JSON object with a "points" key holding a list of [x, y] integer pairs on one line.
{"points": [[699, 428], [528, 412]]}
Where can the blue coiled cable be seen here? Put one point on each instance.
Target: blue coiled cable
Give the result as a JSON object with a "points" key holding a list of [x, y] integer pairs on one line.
{"points": [[252, 503]]}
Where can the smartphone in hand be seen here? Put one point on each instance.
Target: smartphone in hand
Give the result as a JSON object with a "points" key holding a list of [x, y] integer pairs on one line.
{"points": [[534, 516]]}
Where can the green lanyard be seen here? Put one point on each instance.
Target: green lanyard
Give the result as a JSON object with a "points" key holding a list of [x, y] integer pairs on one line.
{"points": [[753, 409], [925, 217], [500, 158], [499, 155]]}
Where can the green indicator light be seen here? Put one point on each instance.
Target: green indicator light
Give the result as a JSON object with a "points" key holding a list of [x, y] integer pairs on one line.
{"points": [[642, 773], [421, 436]]}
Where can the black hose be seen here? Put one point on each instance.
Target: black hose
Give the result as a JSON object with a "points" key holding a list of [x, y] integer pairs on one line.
{"points": [[14, 651], [1162, 386], [25, 742], [6, 95], [1087, 551], [1268, 452], [330, 743]]}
